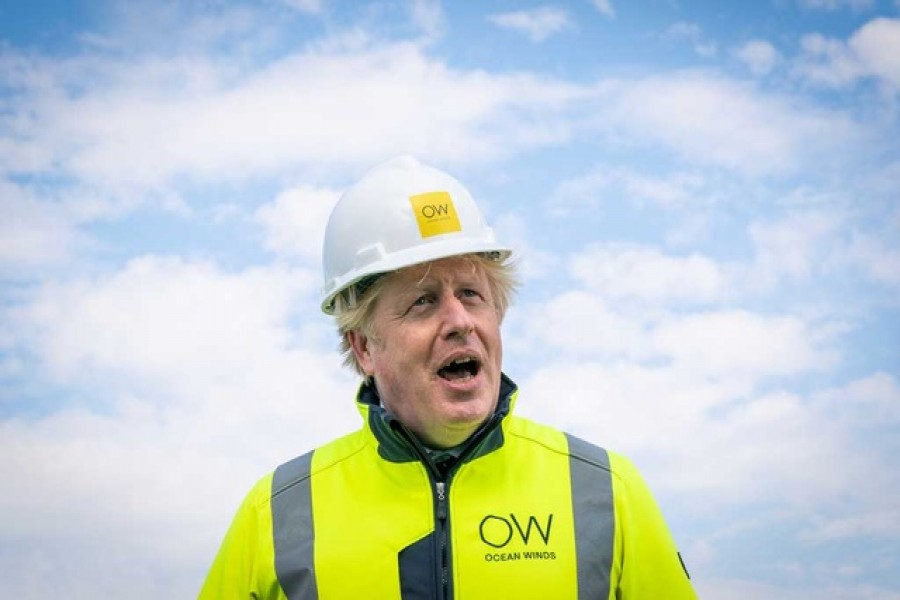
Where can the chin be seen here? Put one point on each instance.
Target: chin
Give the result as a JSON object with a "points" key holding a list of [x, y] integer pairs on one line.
{"points": [[471, 412]]}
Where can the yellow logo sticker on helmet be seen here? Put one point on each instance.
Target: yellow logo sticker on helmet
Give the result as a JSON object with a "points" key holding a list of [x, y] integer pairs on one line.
{"points": [[435, 213]]}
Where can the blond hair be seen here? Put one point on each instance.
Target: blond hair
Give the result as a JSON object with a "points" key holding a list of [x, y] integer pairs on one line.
{"points": [[354, 308]]}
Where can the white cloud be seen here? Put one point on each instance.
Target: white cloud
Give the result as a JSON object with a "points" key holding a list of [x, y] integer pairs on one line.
{"points": [[829, 589], [879, 260], [580, 324], [744, 449], [631, 273], [722, 123], [174, 372], [827, 61], [871, 401], [531, 260], [33, 232], [234, 29], [772, 443], [690, 230], [874, 525], [615, 363], [759, 55], [836, 4], [429, 16], [158, 315], [871, 51], [640, 411], [605, 188], [296, 220], [791, 246], [134, 476], [605, 8], [802, 245], [307, 6], [877, 46], [626, 312], [108, 122], [538, 24], [693, 33], [737, 348], [741, 344], [741, 448]]}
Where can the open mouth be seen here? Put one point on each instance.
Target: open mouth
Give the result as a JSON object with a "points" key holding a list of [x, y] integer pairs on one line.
{"points": [[460, 369]]}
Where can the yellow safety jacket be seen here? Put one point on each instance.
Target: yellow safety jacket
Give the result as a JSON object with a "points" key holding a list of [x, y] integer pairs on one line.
{"points": [[525, 512]]}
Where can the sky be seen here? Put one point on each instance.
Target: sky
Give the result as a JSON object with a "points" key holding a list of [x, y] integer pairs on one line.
{"points": [[703, 199]]}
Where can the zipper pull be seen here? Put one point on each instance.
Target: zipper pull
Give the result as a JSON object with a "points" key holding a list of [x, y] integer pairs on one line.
{"points": [[441, 489]]}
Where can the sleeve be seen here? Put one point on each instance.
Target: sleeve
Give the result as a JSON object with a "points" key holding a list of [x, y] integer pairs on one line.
{"points": [[243, 569], [648, 562]]}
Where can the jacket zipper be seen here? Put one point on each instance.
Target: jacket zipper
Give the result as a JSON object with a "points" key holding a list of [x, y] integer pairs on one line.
{"points": [[440, 511], [440, 495], [441, 492]]}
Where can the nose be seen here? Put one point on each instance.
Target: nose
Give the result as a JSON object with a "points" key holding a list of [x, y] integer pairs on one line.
{"points": [[456, 318]]}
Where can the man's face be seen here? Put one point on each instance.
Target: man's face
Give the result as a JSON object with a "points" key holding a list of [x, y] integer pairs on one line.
{"points": [[436, 350]]}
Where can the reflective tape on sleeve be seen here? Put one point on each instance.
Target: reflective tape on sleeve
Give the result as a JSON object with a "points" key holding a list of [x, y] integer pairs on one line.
{"points": [[292, 529], [594, 516]]}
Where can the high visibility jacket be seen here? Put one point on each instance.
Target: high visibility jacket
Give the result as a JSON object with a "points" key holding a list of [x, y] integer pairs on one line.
{"points": [[525, 512]]}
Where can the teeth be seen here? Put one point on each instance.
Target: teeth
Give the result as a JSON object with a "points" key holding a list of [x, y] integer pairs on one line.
{"points": [[461, 361], [458, 369]]}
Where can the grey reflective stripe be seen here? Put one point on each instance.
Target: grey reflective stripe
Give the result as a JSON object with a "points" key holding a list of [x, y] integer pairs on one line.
{"points": [[594, 515], [292, 529]]}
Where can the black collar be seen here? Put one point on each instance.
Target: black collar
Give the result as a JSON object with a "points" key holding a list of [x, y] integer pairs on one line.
{"points": [[396, 443]]}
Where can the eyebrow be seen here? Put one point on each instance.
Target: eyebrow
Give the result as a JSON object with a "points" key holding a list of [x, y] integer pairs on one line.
{"points": [[468, 277]]}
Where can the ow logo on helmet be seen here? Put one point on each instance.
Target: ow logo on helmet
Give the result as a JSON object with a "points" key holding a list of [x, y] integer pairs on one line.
{"points": [[498, 531], [435, 213]]}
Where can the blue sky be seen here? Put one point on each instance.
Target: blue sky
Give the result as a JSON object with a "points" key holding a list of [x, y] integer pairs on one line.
{"points": [[703, 200]]}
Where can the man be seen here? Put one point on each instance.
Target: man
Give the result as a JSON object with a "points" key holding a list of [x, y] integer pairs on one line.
{"points": [[443, 493]]}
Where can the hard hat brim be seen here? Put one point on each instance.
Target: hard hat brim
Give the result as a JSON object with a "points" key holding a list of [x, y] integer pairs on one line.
{"points": [[402, 259]]}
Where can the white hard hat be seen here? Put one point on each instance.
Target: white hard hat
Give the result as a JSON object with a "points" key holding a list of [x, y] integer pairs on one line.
{"points": [[400, 213]]}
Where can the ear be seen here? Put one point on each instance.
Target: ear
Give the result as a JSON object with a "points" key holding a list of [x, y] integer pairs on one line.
{"points": [[362, 350]]}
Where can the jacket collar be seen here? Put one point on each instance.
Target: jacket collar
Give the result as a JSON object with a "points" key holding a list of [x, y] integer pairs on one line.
{"points": [[396, 443]]}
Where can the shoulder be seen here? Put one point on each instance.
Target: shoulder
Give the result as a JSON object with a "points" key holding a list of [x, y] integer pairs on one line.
{"points": [[524, 429], [579, 450], [621, 469], [300, 469]]}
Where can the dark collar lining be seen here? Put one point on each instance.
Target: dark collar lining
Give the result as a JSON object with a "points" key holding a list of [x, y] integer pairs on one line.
{"points": [[397, 444]]}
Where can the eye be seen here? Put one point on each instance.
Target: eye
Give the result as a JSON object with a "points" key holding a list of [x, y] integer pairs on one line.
{"points": [[423, 300], [469, 293]]}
